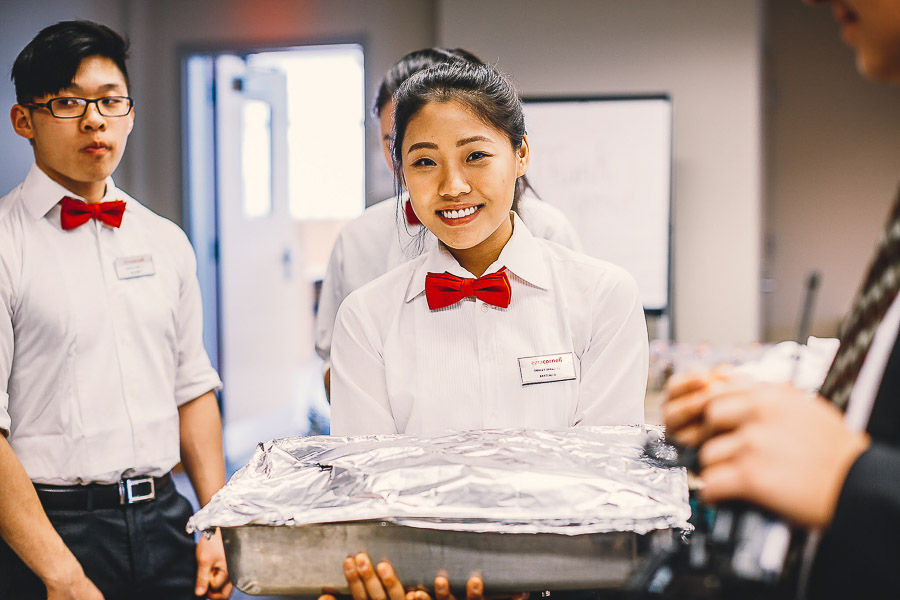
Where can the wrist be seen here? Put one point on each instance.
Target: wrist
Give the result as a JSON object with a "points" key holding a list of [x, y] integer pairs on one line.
{"points": [[62, 572]]}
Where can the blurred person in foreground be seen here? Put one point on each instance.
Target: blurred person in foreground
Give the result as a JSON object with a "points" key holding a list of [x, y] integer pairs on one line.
{"points": [[829, 463]]}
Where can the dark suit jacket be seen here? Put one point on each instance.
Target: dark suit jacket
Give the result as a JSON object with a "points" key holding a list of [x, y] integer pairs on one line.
{"points": [[859, 555]]}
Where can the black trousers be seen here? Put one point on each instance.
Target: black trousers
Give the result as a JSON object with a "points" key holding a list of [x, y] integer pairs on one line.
{"points": [[136, 552]]}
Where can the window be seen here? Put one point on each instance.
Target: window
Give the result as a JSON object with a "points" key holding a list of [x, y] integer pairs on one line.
{"points": [[326, 128]]}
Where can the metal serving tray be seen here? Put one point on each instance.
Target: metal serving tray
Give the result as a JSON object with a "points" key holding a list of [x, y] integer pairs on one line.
{"points": [[301, 560]]}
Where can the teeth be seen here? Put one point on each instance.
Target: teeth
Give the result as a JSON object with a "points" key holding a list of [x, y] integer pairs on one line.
{"points": [[457, 214]]}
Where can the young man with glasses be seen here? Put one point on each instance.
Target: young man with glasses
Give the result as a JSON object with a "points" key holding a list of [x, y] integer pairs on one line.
{"points": [[104, 382]]}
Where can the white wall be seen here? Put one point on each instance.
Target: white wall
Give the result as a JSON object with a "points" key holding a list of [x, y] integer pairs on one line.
{"points": [[163, 29], [706, 55], [833, 166], [19, 25]]}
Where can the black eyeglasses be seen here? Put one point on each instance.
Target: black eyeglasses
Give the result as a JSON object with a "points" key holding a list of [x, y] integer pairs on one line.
{"points": [[72, 108]]}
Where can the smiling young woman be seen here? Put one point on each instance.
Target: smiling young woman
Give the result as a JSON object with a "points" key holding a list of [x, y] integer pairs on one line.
{"points": [[388, 233], [494, 327], [461, 175]]}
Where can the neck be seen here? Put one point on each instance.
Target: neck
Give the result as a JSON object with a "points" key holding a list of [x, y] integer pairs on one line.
{"points": [[478, 258], [91, 191], [92, 194]]}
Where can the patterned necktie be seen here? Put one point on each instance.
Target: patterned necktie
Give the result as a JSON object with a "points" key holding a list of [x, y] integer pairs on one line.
{"points": [[445, 289], [872, 302], [75, 213]]}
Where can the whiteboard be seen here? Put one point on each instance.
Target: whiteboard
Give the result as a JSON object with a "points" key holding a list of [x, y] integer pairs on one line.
{"points": [[607, 164]]}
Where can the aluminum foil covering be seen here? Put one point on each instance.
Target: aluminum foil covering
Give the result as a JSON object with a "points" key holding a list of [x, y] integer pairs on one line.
{"points": [[573, 481]]}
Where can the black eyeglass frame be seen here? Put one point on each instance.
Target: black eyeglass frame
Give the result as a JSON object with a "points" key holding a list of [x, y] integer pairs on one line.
{"points": [[96, 102]]}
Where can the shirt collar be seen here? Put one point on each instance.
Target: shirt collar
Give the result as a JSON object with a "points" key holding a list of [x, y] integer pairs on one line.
{"points": [[521, 256], [42, 194]]}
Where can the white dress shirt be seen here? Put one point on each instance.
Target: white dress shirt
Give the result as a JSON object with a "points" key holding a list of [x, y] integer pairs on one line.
{"points": [[100, 338], [865, 388], [400, 367], [375, 242]]}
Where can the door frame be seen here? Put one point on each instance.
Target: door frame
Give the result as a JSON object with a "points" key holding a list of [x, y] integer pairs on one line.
{"points": [[200, 215]]}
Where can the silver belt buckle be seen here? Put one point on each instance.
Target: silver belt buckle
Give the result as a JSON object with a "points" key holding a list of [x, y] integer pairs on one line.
{"points": [[129, 495]]}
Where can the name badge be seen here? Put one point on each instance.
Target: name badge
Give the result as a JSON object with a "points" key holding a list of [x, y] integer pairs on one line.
{"points": [[550, 367], [129, 267]]}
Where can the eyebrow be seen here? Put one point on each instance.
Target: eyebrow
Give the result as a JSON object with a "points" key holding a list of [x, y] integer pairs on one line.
{"points": [[474, 138], [462, 142], [103, 88], [418, 145]]}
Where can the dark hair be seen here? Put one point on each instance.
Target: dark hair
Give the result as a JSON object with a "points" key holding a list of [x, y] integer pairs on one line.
{"points": [[49, 62], [413, 63], [479, 87]]}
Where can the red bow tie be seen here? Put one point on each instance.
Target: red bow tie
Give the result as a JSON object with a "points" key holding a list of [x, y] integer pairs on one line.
{"points": [[411, 217], [444, 289], [75, 213]]}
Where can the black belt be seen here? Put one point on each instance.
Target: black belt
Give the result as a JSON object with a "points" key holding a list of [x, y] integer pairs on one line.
{"points": [[133, 490]]}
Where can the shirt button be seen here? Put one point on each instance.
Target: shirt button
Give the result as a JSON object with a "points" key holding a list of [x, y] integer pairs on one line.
{"points": [[484, 308]]}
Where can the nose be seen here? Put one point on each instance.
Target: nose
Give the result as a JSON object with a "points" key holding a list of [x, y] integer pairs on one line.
{"points": [[92, 120], [453, 182]]}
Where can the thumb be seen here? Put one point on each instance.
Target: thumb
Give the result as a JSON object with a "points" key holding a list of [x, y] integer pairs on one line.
{"points": [[202, 578]]}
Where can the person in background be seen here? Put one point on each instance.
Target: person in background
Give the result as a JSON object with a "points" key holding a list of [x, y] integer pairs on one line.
{"points": [[389, 233], [829, 463], [104, 381]]}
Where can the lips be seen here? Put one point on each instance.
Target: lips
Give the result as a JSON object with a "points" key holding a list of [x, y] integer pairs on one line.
{"points": [[459, 216], [96, 147], [847, 19], [458, 212]]}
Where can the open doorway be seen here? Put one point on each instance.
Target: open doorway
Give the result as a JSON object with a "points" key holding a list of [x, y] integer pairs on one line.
{"points": [[274, 165]]}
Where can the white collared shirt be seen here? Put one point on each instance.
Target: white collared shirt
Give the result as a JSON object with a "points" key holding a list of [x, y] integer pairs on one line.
{"points": [[94, 363], [868, 381], [400, 367], [376, 242]]}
